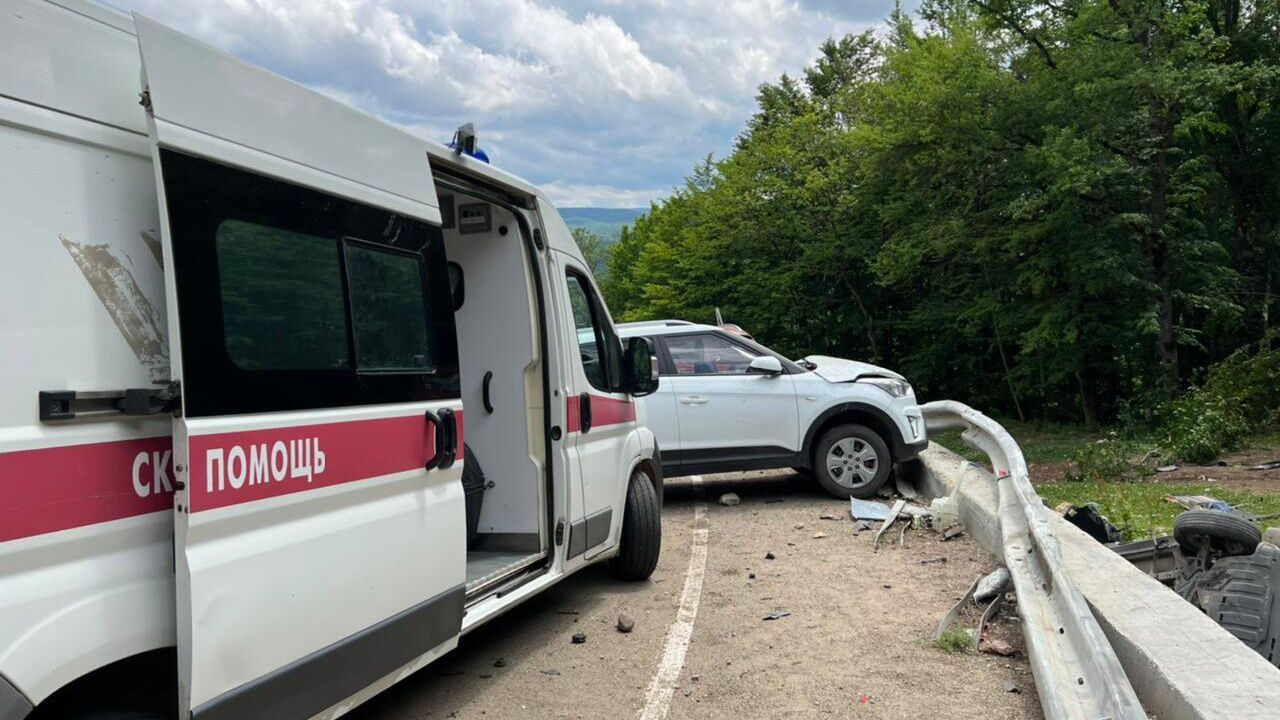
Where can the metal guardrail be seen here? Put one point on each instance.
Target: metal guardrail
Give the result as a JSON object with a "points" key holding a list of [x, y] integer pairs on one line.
{"points": [[1076, 671]]}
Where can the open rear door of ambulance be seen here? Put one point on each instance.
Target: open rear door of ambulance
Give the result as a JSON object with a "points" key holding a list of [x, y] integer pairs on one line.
{"points": [[320, 539]]}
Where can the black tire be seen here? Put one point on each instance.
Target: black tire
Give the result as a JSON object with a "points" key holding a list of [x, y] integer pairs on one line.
{"points": [[1232, 534], [837, 484], [641, 531]]}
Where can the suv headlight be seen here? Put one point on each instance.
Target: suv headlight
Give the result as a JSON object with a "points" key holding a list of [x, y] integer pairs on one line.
{"points": [[896, 388]]}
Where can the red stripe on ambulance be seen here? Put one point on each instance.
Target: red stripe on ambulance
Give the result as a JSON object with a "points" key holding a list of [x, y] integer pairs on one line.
{"points": [[604, 411], [60, 488], [239, 467]]}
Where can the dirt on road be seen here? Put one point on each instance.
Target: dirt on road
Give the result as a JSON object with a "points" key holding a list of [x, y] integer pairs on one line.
{"points": [[856, 641]]}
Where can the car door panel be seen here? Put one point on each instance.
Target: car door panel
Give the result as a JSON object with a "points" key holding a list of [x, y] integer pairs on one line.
{"points": [[319, 529], [721, 406]]}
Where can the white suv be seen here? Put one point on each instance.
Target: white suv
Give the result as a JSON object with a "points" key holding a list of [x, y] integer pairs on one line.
{"points": [[727, 403]]}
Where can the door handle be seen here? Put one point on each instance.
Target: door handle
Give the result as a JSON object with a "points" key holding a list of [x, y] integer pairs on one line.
{"points": [[584, 411], [693, 400], [446, 436], [484, 392], [434, 421]]}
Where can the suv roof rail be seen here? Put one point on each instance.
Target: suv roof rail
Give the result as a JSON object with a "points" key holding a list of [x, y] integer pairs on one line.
{"points": [[651, 323]]}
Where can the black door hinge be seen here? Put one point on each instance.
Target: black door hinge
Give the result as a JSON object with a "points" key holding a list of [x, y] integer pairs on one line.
{"points": [[81, 404], [559, 533]]}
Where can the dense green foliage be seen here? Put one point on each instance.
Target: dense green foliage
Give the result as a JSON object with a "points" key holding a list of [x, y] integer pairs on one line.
{"points": [[1240, 395], [1051, 210]]}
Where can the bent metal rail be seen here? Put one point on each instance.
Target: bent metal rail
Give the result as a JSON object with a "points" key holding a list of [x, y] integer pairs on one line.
{"points": [[1077, 673]]}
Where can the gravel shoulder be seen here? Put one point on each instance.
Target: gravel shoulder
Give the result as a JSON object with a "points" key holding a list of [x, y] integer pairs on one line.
{"points": [[856, 642]]}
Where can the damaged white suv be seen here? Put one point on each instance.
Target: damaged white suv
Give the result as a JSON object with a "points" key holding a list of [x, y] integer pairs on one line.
{"points": [[727, 403]]}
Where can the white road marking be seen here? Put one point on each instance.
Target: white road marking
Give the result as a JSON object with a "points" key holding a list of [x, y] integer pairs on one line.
{"points": [[664, 681]]}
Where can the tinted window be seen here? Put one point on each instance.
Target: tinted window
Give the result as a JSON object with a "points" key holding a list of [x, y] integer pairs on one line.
{"points": [[388, 309], [597, 345], [708, 354], [276, 286], [290, 298]]}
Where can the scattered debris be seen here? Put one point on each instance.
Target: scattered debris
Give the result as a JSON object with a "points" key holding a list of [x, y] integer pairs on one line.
{"points": [[777, 615], [1089, 518], [625, 623], [730, 499], [1166, 468], [819, 535], [952, 532], [867, 510], [549, 672], [997, 647], [993, 584], [954, 612], [942, 514], [930, 561], [1273, 465], [893, 515], [579, 638], [500, 662], [861, 526], [799, 526], [769, 555], [1009, 687], [829, 516], [1199, 502], [902, 535], [751, 576]]}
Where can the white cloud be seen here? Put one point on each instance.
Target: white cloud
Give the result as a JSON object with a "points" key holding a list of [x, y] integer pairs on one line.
{"points": [[576, 195], [606, 101]]}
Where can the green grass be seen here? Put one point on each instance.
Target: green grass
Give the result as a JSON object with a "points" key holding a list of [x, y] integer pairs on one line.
{"points": [[956, 641], [1040, 442], [1138, 508]]}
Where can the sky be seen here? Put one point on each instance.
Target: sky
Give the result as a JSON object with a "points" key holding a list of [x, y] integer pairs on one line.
{"points": [[604, 103]]}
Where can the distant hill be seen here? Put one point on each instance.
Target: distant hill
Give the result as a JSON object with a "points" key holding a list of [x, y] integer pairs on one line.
{"points": [[605, 222]]}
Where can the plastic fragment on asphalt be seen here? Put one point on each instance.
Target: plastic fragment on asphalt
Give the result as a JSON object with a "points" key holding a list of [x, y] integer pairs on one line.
{"points": [[867, 510], [893, 515]]}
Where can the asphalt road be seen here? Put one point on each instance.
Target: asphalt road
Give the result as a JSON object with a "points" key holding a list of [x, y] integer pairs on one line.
{"points": [[854, 644]]}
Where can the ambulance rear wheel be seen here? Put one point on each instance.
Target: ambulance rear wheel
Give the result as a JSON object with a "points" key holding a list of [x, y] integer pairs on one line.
{"points": [[641, 531]]}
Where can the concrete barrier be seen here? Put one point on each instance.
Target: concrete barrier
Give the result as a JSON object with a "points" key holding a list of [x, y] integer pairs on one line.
{"points": [[1182, 665]]}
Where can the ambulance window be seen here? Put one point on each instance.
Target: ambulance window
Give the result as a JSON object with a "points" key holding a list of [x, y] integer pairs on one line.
{"points": [[290, 298], [597, 345], [388, 308], [279, 284]]}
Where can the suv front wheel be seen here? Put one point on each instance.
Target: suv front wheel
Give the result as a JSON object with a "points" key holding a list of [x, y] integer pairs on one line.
{"points": [[851, 461]]}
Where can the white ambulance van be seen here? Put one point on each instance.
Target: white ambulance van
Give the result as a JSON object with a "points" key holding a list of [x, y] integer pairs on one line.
{"points": [[249, 335]]}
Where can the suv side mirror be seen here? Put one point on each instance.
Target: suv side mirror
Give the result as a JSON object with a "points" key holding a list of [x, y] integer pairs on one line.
{"points": [[640, 366], [765, 365]]}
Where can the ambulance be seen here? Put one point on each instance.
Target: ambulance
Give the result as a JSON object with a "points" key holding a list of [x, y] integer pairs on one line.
{"points": [[290, 398]]}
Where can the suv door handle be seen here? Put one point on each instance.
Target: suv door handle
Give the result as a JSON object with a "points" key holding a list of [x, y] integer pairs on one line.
{"points": [[693, 400], [584, 411]]}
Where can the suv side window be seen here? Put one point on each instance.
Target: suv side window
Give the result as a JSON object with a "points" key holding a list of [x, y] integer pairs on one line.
{"points": [[708, 354], [597, 345]]}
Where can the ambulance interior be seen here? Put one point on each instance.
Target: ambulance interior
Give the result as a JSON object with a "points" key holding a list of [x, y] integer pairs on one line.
{"points": [[501, 380]]}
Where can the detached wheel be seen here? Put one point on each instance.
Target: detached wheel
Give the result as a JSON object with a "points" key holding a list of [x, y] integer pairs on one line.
{"points": [[1197, 529], [851, 461], [641, 531]]}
